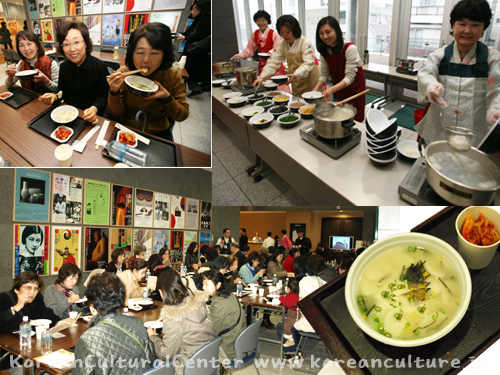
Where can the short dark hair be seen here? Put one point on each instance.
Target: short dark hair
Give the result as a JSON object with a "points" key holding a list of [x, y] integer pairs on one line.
{"points": [[25, 278], [271, 249], [243, 230], [159, 36], [154, 261], [321, 46], [106, 293], [216, 277], [254, 255], [235, 245], [67, 270], [220, 262], [262, 14], [269, 234], [346, 261], [300, 230], [139, 248], [191, 248], [29, 230], [163, 250], [276, 254], [173, 289], [318, 262], [116, 253], [474, 10], [302, 267], [293, 284], [215, 247], [3, 24], [138, 264], [225, 230], [211, 254], [30, 36], [293, 250], [320, 244], [64, 30], [283, 231], [245, 248], [290, 22]]}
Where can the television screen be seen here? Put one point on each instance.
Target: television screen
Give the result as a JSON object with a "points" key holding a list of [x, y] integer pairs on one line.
{"points": [[341, 242]]}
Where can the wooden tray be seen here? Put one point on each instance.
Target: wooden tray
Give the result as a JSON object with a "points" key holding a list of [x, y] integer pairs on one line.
{"points": [[45, 125], [327, 311], [21, 97]]}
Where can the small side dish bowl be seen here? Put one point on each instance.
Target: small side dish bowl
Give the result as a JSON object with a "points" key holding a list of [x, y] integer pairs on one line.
{"points": [[306, 112], [68, 132], [281, 99], [262, 121], [296, 105], [280, 79], [238, 101], [5, 95], [278, 110], [252, 111], [266, 103], [312, 97], [26, 75], [140, 86], [283, 120], [64, 114], [122, 137], [232, 94]]}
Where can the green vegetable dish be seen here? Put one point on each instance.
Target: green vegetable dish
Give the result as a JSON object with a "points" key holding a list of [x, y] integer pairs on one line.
{"points": [[289, 119], [263, 104], [409, 293], [142, 87]]}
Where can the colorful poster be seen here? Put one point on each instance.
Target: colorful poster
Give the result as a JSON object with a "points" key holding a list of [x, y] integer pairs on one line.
{"points": [[162, 210], [206, 215], [177, 211], [144, 237], [137, 5], [74, 19], [58, 23], [161, 238], [47, 31], [188, 238], [91, 6], [171, 19], [204, 238], [33, 9], [183, 43], [31, 195], [44, 9], [112, 27], [120, 238], [58, 8], [143, 208], [96, 248], [132, 22], [66, 199], [121, 205], [96, 202], [36, 29], [31, 249], [170, 4], [65, 247], [93, 23], [112, 6], [176, 246], [73, 7], [192, 215]]}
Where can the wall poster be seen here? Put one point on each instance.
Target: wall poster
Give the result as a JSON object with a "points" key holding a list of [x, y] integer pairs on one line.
{"points": [[206, 215], [170, 4], [177, 211], [44, 9], [96, 202], [137, 5], [161, 238], [31, 195], [171, 19], [204, 238], [112, 6], [66, 199], [47, 31], [58, 8], [162, 210], [121, 205], [120, 238], [73, 7], [96, 248], [36, 29], [58, 23], [176, 246], [189, 237], [66, 246], [132, 22], [144, 237], [93, 23], [112, 27], [192, 214], [143, 208], [91, 6], [31, 249], [33, 9]]}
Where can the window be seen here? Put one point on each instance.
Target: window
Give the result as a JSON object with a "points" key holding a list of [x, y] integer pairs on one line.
{"points": [[291, 7], [348, 18], [379, 30], [491, 35], [315, 11], [425, 27], [241, 23], [270, 7]]}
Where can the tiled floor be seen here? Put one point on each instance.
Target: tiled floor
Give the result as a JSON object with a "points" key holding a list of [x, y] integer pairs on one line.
{"points": [[232, 186], [194, 132]]}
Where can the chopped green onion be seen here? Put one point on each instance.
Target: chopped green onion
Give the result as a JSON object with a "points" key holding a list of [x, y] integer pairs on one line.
{"points": [[401, 286], [361, 303], [412, 249], [373, 316], [391, 285], [435, 316], [387, 334], [404, 339], [407, 324], [451, 278], [377, 320], [421, 309], [416, 332], [398, 316], [377, 309], [384, 294], [443, 311]]}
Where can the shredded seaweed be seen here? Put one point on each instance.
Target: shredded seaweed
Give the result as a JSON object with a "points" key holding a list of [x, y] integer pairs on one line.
{"points": [[415, 274], [423, 327], [369, 311], [445, 285]]}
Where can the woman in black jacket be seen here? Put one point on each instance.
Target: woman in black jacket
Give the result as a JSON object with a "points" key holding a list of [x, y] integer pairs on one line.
{"points": [[198, 56]]}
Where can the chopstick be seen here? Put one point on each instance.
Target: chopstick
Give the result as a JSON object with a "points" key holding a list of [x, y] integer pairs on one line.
{"points": [[101, 135], [71, 293], [352, 97], [244, 284], [131, 72], [37, 322], [77, 317]]}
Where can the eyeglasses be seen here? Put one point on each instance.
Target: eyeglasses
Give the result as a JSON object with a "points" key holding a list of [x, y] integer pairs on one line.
{"points": [[74, 44]]}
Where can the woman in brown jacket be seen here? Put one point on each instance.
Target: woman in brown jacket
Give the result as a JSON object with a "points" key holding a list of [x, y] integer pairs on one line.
{"points": [[150, 47], [130, 278], [275, 265]]}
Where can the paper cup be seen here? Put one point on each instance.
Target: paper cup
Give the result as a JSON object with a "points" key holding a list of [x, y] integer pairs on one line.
{"points": [[477, 257], [254, 289], [39, 330], [64, 155], [131, 303], [73, 314], [261, 292]]}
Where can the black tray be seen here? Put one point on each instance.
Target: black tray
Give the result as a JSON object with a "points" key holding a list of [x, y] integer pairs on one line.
{"points": [[45, 125], [21, 96], [161, 153], [147, 307], [327, 311]]}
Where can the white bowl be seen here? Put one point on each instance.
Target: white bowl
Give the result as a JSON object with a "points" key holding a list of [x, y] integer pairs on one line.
{"points": [[312, 96], [289, 124], [42, 322], [64, 108], [237, 101], [140, 80], [271, 103], [252, 111], [257, 119], [53, 134], [145, 302], [378, 122], [87, 318], [153, 324], [280, 79], [387, 244], [409, 149], [230, 95], [125, 132]]}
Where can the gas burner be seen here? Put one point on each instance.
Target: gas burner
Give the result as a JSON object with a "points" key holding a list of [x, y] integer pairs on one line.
{"points": [[410, 72], [225, 75], [246, 90], [332, 147]]}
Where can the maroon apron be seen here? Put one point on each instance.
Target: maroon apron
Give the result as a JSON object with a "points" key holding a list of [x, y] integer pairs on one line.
{"points": [[336, 64], [267, 47]]}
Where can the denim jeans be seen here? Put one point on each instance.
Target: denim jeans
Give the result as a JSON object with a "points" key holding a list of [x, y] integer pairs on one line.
{"points": [[296, 338]]}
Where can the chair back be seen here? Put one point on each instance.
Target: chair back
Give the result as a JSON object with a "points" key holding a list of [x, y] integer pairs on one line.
{"points": [[165, 369], [247, 341], [107, 50], [200, 363], [7, 55], [15, 56], [115, 65]]}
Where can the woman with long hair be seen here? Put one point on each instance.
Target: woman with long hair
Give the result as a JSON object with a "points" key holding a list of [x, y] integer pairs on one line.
{"points": [[117, 262], [192, 260], [275, 265]]}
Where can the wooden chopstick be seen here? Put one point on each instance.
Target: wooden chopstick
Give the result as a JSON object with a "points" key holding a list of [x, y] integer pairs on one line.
{"points": [[37, 322], [352, 97], [131, 72], [77, 317]]}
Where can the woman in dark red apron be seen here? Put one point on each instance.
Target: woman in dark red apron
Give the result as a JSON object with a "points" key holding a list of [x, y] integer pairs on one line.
{"points": [[342, 62]]}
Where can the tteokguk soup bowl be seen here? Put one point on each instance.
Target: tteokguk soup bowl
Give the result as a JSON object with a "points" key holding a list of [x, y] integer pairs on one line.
{"points": [[408, 289], [140, 86]]}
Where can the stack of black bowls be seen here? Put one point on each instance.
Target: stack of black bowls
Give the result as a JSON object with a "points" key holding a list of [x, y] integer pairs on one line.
{"points": [[381, 138]]}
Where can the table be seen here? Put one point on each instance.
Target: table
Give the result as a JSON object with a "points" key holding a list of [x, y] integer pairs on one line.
{"points": [[350, 180], [10, 342], [18, 141]]}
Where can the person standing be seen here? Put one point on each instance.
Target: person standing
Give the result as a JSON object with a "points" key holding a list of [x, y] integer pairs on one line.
{"points": [[225, 241], [5, 34], [286, 242], [302, 242], [243, 238], [268, 242]]}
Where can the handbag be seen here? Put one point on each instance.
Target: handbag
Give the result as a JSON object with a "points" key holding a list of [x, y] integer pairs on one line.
{"points": [[201, 46]]}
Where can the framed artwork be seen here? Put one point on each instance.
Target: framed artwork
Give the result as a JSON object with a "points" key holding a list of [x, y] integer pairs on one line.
{"points": [[66, 246], [31, 249], [93, 23], [176, 246], [120, 238], [31, 195], [58, 8], [162, 210], [112, 6], [161, 238], [92, 7], [58, 23], [47, 31], [96, 248], [171, 19], [96, 210], [170, 4], [33, 9], [132, 22], [190, 236], [121, 205], [73, 7], [44, 9], [36, 29], [206, 216], [112, 29], [66, 199], [192, 213], [144, 237], [137, 5], [204, 238], [177, 211], [143, 208]]}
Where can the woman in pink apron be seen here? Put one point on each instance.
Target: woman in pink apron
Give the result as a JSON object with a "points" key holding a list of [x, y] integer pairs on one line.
{"points": [[341, 61]]}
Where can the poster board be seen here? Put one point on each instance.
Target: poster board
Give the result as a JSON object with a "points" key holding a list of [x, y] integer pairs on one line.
{"points": [[138, 5], [92, 7], [121, 205], [189, 236], [143, 208], [161, 238], [132, 22], [144, 237], [113, 6], [67, 195], [170, 4], [93, 23], [47, 31], [96, 202], [176, 246], [31, 195], [35, 25], [171, 19], [192, 213], [31, 249], [33, 9], [44, 9], [66, 247], [112, 29], [162, 210], [206, 216], [58, 8], [205, 238], [73, 7], [177, 211], [96, 248], [120, 238]]}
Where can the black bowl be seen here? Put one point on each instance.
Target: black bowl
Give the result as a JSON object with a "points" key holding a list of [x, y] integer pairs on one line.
{"points": [[383, 142], [26, 75], [382, 163], [226, 85], [280, 79], [373, 148], [386, 155], [271, 87], [81, 304], [296, 109], [255, 98], [386, 133], [284, 110]]}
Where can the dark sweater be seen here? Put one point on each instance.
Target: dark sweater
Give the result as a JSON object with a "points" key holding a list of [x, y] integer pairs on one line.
{"points": [[111, 267]]}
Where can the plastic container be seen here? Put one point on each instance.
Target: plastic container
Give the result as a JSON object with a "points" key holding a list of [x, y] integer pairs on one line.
{"points": [[419, 115], [126, 154], [239, 289], [145, 294], [148, 273], [275, 280], [25, 334], [115, 54], [46, 341]]}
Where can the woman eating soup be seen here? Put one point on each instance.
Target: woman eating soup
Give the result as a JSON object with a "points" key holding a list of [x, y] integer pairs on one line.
{"points": [[341, 61], [150, 49], [63, 294], [33, 57], [82, 78]]}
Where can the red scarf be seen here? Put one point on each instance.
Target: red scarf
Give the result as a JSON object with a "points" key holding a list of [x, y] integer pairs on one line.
{"points": [[42, 64], [66, 291]]}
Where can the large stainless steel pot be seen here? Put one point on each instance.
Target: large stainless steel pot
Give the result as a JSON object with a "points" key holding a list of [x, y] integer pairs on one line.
{"points": [[225, 67], [407, 64], [332, 129], [246, 76], [455, 192]]}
